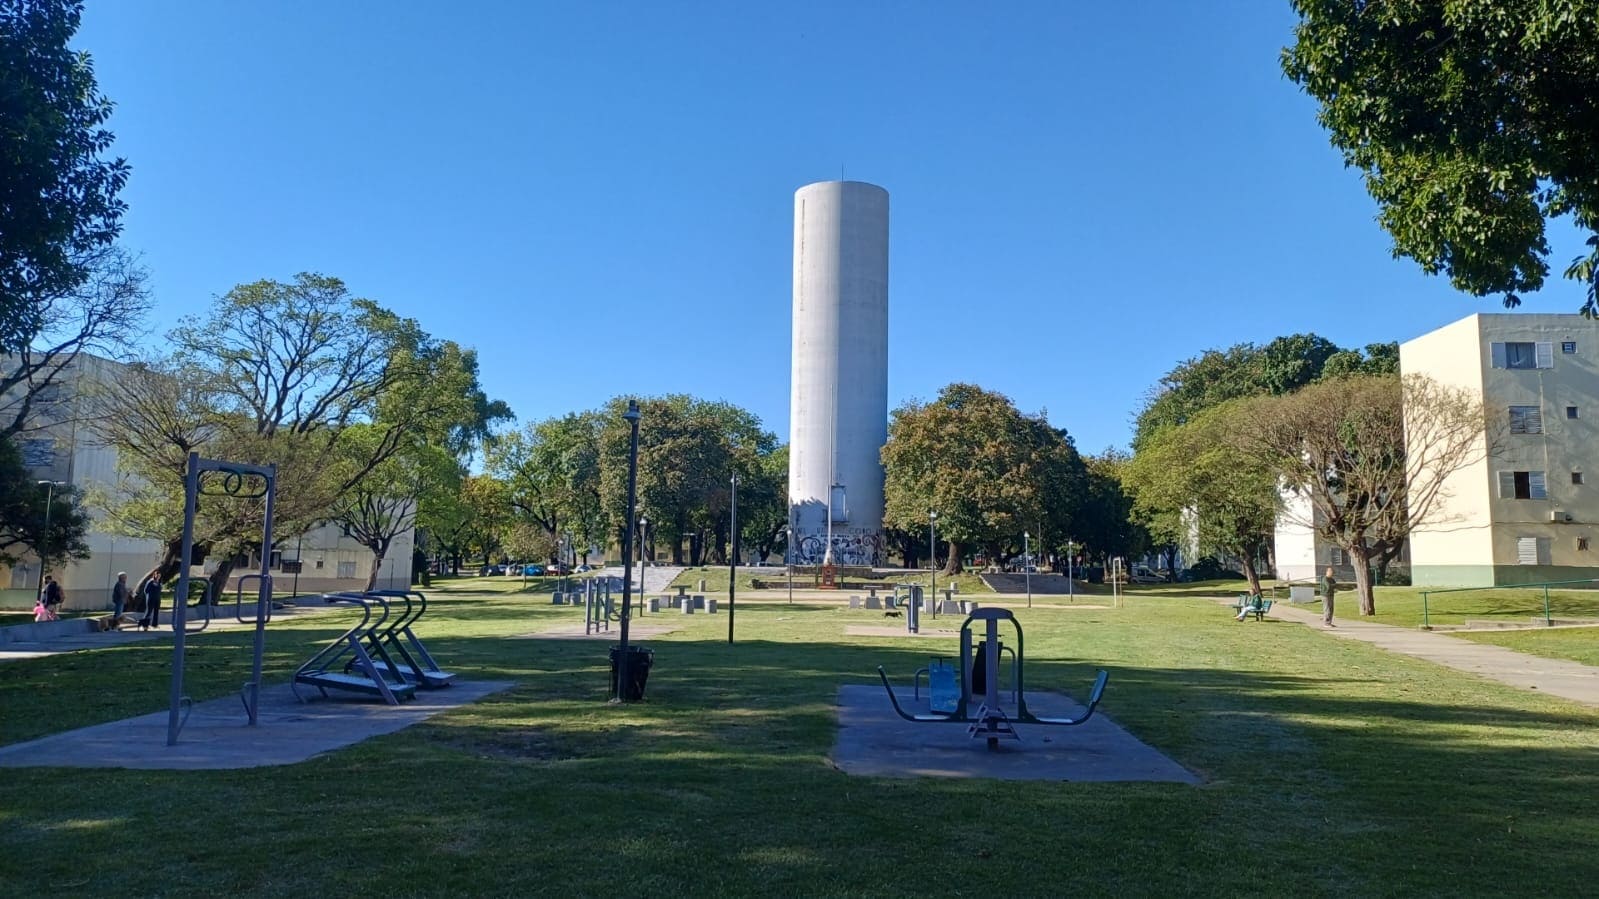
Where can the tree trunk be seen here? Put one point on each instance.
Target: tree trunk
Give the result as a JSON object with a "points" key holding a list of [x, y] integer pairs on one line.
{"points": [[218, 582], [952, 565], [372, 576], [1252, 575], [1360, 558]]}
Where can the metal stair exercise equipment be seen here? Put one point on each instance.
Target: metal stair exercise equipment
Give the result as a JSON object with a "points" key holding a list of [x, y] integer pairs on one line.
{"points": [[979, 687], [327, 669], [415, 664]]}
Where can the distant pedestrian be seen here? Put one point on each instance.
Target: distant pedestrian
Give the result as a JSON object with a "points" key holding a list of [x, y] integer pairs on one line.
{"points": [[1329, 585], [119, 598], [152, 604]]}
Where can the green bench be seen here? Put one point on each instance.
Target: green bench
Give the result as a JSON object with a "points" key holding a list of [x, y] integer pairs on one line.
{"points": [[1251, 604]]}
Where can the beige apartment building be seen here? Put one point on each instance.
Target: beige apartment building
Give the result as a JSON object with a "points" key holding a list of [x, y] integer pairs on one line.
{"points": [[1527, 513]]}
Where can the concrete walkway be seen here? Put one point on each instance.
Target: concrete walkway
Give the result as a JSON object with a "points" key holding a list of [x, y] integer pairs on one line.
{"points": [[1557, 677], [656, 577]]}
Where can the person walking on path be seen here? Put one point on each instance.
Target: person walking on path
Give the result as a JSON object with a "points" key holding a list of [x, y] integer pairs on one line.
{"points": [[1328, 586], [152, 604], [119, 598]]}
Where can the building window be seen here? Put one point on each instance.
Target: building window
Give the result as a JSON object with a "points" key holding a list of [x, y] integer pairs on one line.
{"points": [[1568, 346], [1576, 477], [1522, 485], [346, 569], [1526, 420], [1523, 354], [1532, 551], [1335, 556], [1571, 411], [1582, 544]]}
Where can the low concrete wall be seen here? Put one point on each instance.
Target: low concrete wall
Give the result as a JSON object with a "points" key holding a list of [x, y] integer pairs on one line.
{"points": [[37, 631]]}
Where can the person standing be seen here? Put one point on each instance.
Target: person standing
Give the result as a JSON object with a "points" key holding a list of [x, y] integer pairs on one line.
{"points": [[152, 604], [53, 597], [119, 598], [1328, 586]]}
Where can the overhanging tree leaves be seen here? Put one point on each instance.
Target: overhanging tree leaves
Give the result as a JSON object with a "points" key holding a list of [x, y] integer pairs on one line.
{"points": [[1474, 123]]}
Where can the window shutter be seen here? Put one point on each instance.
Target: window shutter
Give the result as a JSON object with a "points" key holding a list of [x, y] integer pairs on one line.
{"points": [[1498, 355], [1546, 354], [1507, 485], [1536, 488], [1534, 420], [1527, 551], [1543, 550]]}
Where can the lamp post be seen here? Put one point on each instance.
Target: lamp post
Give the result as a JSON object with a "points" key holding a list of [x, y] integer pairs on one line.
{"points": [[44, 539], [788, 558], [932, 559], [1071, 592], [732, 560], [1027, 566], [643, 533], [632, 417]]}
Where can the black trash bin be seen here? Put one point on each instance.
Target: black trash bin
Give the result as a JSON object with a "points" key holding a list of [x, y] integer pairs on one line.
{"points": [[639, 661]]}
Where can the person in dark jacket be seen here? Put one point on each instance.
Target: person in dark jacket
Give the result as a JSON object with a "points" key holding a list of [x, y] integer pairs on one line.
{"points": [[152, 604]]}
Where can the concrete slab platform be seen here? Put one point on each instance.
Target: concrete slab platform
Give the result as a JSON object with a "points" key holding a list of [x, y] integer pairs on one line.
{"points": [[873, 741], [218, 737], [635, 631]]}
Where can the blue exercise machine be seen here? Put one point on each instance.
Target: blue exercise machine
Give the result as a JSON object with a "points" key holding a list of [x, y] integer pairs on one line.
{"points": [[976, 699]]}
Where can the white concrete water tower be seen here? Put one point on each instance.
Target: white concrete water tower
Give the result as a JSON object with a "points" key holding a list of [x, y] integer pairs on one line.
{"points": [[838, 405]]}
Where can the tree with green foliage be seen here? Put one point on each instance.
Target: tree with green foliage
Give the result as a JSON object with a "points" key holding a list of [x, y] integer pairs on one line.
{"points": [[1106, 526], [988, 470], [1474, 123], [551, 470], [58, 536], [381, 507], [688, 451], [59, 208], [1192, 476]]}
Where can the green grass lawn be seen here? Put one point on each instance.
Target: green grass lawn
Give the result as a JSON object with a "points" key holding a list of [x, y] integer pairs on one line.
{"points": [[1330, 767], [1579, 644], [715, 578]]}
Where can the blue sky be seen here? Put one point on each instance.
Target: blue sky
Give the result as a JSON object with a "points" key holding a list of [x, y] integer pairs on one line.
{"points": [[598, 197]]}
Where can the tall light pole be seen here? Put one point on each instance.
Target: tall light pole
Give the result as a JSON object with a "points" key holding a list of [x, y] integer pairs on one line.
{"points": [[1027, 565], [643, 533], [1071, 591], [732, 560], [788, 559], [632, 417], [932, 558], [44, 539]]}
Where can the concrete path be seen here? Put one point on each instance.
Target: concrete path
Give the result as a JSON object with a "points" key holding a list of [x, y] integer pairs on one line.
{"points": [[218, 736], [1557, 677], [656, 577]]}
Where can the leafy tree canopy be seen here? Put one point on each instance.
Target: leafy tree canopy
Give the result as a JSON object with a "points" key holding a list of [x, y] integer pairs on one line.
{"points": [[1473, 121]]}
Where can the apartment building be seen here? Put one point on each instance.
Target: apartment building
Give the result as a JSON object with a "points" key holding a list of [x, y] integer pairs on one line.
{"points": [[1525, 513]]}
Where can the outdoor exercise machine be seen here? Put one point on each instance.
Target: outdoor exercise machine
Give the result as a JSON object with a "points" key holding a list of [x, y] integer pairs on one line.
{"points": [[416, 663], [979, 686], [357, 661], [241, 481]]}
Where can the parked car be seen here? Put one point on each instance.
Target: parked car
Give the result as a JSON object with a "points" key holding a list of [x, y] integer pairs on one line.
{"points": [[559, 569], [491, 570], [584, 569], [534, 570], [1142, 575]]}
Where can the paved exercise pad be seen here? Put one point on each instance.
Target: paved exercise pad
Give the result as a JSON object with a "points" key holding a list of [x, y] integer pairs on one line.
{"points": [[874, 741], [218, 735]]}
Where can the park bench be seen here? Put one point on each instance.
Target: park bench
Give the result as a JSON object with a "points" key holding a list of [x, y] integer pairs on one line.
{"points": [[1255, 604]]}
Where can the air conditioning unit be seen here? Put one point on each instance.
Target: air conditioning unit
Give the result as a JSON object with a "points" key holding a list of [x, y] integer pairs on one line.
{"points": [[1558, 515]]}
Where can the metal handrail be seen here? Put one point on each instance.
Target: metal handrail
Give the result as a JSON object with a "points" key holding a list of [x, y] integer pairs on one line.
{"points": [[1426, 620]]}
